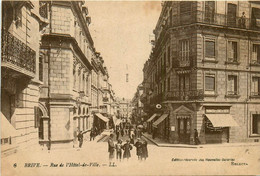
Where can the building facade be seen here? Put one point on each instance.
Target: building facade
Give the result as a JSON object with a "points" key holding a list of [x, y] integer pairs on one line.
{"points": [[204, 71], [138, 114], [21, 27]]}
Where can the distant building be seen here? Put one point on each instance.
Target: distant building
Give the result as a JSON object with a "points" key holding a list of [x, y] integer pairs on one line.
{"points": [[204, 72], [138, 114]]}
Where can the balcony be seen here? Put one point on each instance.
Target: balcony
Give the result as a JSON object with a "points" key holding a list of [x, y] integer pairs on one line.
{"points": [[184, 95], [16, 54], [184, 63], [212, 18]]}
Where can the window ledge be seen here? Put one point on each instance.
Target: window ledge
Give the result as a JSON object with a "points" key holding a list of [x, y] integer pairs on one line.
{"points": [[254, 135], [232, 96], [255, 64], [233, 63], [210, 61], [210, 95], [255, 96]]}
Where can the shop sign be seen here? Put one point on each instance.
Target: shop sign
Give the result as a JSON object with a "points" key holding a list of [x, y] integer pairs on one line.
{"points": [[172, 128]]}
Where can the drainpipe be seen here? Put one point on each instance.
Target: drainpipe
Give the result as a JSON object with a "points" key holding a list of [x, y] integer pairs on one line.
{"points": [[49, 83]]}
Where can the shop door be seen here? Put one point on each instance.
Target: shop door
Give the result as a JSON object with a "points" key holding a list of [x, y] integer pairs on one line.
{"points": [[184, 130]]}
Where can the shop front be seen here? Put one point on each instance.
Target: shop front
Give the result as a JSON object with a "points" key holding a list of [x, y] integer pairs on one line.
{"points": [[161, 126], [150, 122], [217, 127]]}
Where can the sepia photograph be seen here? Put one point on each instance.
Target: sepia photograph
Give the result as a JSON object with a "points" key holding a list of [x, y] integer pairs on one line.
{"points": [[130, 87]]}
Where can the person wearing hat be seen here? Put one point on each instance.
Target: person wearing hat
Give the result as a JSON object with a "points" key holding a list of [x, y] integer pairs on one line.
{"points": [[138, 146], [119, 149], [144, 150], [111, 147], [127, 147]]}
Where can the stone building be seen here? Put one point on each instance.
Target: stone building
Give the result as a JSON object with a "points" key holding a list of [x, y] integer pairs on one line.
{"points": [[204, 71], [21, 26], [138, 114], [66, 94]]}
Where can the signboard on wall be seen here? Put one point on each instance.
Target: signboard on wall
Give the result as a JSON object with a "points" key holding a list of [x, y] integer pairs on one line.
{"points": [[172, 128]]}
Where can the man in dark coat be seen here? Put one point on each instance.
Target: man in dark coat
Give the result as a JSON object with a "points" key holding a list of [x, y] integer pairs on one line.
{"points": [[196, 137], [80, 139], [138, 146], [111, 147], [127, 147], [144, 150], [92, 134]]}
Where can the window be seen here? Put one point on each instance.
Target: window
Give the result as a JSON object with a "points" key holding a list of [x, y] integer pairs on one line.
{"points": [[41, 68], [209, 11], [232, 51], [210, 82], [184, 49], [210, 49], [232, 85], [255, 17], [231, 14], [256, 124], [185, 7], [256, 54], [256, 86]]}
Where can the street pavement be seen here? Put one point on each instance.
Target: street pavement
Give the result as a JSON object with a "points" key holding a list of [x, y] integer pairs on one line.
{"points": [[92, 159]]}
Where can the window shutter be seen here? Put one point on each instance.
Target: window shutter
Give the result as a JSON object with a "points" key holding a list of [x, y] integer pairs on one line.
{"points": [[235, 84]]}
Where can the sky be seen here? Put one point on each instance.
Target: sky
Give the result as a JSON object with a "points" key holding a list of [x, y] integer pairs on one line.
{"points": [[120, 31]]}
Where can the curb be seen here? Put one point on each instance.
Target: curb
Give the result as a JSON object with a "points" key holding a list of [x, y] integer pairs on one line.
{"points": [[165, 145], [200, 146]]}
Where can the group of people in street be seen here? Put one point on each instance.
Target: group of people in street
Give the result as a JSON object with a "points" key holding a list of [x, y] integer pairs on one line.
{"points": [[124, 149]]}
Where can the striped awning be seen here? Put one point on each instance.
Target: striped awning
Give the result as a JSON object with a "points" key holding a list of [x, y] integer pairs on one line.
{"points": [[102, 117], [158, 121], [151, 118]]}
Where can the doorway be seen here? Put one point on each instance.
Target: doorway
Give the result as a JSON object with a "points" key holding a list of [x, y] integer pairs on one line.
{"points": [[184, 130]]}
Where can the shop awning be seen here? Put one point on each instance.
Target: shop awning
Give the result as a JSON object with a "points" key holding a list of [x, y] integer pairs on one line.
{"points": [[7, 130], [102, 117], [222, 120], [151, 118], [158, 121]]}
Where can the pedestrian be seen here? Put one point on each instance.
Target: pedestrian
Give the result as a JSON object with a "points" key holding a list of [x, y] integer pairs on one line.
{"points": [[92, 135], [117, 134], [127, 147], [80, 138], [196, 137], [119, 150], [111, 147], [144, 150], [138, 146], [122, 132]]}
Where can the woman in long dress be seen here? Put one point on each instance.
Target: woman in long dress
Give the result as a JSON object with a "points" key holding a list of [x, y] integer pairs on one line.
{"points": [[127, 147]]}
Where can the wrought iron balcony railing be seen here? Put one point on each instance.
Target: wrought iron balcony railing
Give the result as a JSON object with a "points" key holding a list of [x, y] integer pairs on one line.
{"points": [[212, 18], [16, 52], [184, 95]]}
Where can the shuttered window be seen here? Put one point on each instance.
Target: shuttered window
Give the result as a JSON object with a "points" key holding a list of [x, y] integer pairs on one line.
{"points": [[210, 83], [256, 86], [256, 17], [232, 51], [232, 85], [210, 48]]}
